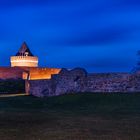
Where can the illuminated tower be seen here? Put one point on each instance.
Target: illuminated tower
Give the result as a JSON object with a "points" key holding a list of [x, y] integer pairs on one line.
{"points": [[24, 58]]}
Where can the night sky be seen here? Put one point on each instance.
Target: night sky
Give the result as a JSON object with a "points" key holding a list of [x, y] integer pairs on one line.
{"points": [[99, 35]]}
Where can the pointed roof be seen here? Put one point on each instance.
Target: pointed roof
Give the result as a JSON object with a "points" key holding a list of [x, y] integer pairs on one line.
{"points": [[24, 50]]}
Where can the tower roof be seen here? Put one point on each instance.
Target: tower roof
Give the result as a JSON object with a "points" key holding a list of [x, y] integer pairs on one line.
{"points": [[24, 50]]}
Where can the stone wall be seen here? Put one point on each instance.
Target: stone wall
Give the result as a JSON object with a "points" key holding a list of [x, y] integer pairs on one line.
{"points": [[78, 80], [10, 73], [42, 73], [32, 73]]}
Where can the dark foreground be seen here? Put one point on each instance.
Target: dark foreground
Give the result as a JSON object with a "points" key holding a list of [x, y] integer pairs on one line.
{"points": [[71, 117]]}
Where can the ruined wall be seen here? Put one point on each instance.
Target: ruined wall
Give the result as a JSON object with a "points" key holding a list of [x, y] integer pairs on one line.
{"points": [[42, 83], [78, 80], [38, 73], [107, 82], [44, 89], [24, 73], [27, 73], [42, 73], [10, 73]]}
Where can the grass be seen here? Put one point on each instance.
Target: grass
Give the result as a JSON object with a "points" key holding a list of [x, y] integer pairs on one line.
{"points": [[71, 117]]}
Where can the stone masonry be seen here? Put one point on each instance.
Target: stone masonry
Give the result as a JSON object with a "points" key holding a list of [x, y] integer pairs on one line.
{"points": [[78, 80]]}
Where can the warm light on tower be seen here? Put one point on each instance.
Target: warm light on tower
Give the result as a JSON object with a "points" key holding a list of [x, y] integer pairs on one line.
{"points": [[24, 58]]}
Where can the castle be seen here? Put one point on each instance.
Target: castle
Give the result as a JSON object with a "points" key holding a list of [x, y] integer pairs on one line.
{"points": [[24, 65], [42, 82]]}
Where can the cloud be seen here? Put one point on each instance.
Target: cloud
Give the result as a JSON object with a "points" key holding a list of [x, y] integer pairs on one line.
{"points": [[73, 33], [106, 36]]}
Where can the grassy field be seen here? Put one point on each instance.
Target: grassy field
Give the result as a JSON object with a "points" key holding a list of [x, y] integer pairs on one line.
{"points": [[71, 117]]}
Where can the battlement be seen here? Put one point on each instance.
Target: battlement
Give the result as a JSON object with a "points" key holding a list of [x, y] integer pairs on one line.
{"points": [[24, 61]]}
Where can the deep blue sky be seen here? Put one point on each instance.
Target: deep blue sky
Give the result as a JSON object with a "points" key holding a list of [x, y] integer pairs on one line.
{"points": [[99, 35]]}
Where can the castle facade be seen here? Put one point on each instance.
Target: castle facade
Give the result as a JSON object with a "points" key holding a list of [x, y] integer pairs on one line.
{"points": [[42, 82], [24, 65]]}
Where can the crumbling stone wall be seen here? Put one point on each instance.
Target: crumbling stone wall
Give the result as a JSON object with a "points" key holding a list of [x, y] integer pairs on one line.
{"points": [[10, 73], [78, 80], [109, 82], [23, 73]]}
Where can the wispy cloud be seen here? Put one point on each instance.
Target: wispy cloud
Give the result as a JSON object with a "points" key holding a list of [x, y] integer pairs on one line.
{"points": [[87, 33]]}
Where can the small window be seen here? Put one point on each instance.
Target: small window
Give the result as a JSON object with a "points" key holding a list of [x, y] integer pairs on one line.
{"points": [[26, 53]]}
